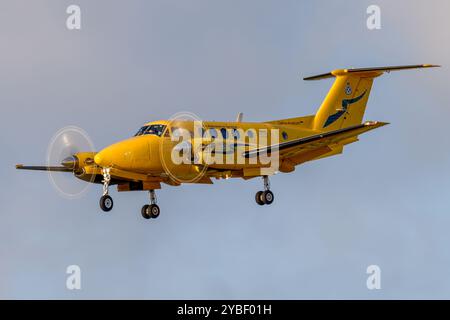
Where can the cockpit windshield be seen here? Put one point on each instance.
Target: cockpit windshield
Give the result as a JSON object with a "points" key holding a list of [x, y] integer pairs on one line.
{"points": [[155, 129]]}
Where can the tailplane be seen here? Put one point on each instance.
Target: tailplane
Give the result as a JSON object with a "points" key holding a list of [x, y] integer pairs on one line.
{"points": [[346, 101]]}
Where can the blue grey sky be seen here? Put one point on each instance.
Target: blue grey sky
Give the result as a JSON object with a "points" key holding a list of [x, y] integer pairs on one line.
{"points": [[385, 201]]}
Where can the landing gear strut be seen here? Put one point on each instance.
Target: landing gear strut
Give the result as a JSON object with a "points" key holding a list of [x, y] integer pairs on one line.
{"points": [[266, 196], [106, 202], [151, 210]]}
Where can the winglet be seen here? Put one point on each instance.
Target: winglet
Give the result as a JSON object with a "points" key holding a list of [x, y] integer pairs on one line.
{"points": [[374, 71]]}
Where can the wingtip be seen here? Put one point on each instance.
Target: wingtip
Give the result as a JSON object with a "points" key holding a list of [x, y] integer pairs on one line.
{"points": [[376, 123], [19, 166], [431, 65]]}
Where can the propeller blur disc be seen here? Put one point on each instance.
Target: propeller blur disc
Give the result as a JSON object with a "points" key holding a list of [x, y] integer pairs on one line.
{"points": [[61, 150]]}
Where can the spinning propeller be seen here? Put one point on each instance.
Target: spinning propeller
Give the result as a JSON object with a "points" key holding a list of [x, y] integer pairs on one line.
{"points": [[70, 150]]}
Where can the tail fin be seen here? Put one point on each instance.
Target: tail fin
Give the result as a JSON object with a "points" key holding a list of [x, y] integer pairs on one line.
{"points": [[346, 101]]}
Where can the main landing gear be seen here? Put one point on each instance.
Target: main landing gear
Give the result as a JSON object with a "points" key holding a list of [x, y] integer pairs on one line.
{"points": [[266, 196], [106, 202], [151, 211]]}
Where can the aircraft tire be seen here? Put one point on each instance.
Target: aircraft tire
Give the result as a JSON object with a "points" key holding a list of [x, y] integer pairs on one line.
{"points": [[153, 211], [106, 203], [267, 197], [258, 198], [144, 211]]}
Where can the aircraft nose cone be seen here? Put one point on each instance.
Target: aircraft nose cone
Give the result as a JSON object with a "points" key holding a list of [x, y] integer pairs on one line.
{"points": [[105, 158], [98, 159], [118, 155]]}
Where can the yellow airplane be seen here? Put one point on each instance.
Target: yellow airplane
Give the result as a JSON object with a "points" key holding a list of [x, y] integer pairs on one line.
{"points": [[179, 151]]}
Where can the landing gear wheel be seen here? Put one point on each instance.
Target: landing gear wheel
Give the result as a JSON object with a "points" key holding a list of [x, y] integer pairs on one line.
{"points": [[150, 211], [258, 198], [144, 211], [267, 197], [106, 203], [153, 211]]}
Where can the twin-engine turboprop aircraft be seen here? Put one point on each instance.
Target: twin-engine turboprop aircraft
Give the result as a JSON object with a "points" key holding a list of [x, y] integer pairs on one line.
{"points": [[190, 151]]}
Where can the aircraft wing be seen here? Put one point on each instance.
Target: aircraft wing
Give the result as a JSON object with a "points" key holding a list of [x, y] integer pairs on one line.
{"points": [[44, 168], [293, 147]]}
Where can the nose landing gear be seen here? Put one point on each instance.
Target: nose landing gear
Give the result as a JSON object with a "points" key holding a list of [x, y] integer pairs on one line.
{"points": [[266, 196], [106, 202], [148, 211], [151, 211]]}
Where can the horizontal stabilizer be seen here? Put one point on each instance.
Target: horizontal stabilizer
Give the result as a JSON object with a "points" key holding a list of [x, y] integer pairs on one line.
{"points": [[374, 72]]}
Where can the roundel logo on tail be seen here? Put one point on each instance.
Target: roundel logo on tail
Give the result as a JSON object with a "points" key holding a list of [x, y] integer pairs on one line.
{"points": [[348, 89]]}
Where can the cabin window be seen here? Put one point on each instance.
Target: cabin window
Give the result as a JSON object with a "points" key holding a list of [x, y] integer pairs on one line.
{"points": [[212, 133], [285, 135], [251, 133], [224, 133], [236, 134]]}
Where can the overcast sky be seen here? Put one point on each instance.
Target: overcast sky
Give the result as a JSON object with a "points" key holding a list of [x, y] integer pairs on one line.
{"points": [[385, 201]]}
